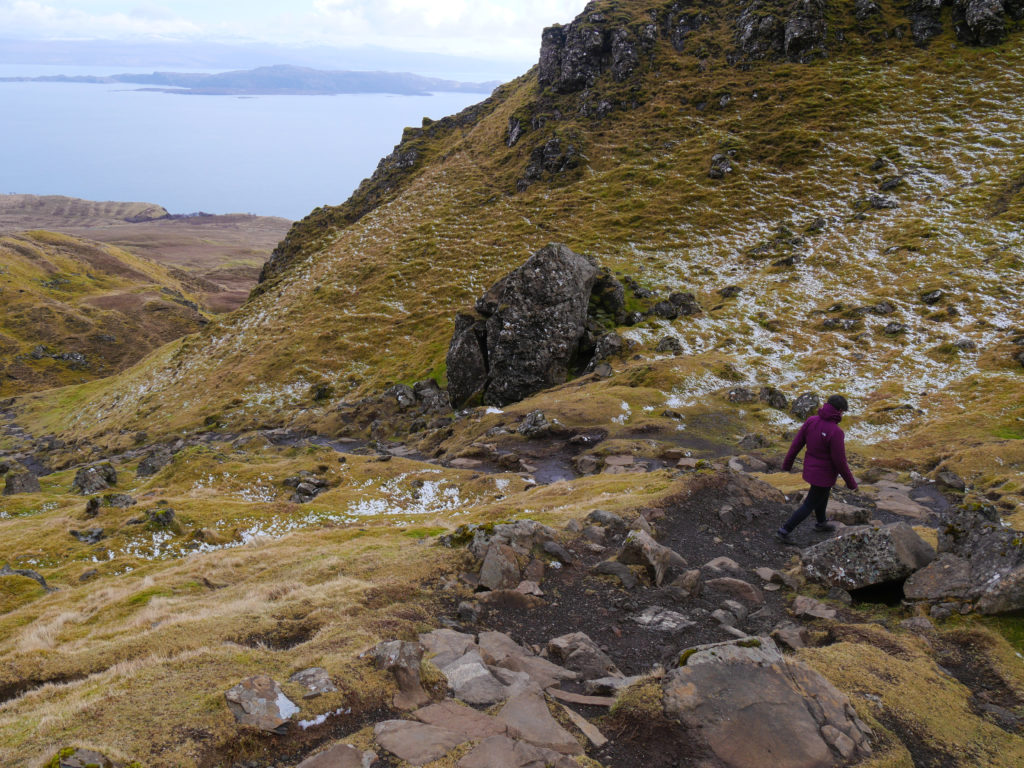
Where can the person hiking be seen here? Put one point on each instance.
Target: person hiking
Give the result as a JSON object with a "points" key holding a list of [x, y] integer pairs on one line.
{"points": [[824, 461]]}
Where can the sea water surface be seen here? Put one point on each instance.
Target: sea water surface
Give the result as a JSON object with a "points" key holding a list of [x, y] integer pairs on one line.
{"points": [[268, 155]]}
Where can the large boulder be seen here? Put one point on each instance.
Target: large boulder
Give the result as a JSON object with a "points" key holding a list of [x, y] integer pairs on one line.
{"points": [[866, 556], [752, 707], [527, 330], [981, 562]]}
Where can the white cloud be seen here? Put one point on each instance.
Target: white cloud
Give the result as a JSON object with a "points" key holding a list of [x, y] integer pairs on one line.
{"points": [[31, 19], [498, 29]]}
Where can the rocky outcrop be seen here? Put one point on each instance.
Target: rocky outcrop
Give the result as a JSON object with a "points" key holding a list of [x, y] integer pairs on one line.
{"points": [[530, 330], [866, 556], [980, 22], [94, 479], [154, 461], [23, 481], [981, 564], [753, 707], [805, 30], [572, 57]]}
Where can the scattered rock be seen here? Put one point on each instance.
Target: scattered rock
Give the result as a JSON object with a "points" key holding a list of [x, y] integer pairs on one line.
{"points": [[16, 482], [316, 680], [98, 477], [863, 557], [472, 682], [403, 660], [663, 563], [28, 573], [720, 166], [154, 461], [578, 652], [500, 568], [662, 619], [895, 329], [950, 481], [91, 536], [443, 646], [82, 758], [260, 703], [932, 297], [806, 405], [808, 606]]}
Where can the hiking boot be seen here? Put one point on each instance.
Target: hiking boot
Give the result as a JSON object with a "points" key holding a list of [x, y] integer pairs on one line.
{"points": [[826, 527], [783, 535]]}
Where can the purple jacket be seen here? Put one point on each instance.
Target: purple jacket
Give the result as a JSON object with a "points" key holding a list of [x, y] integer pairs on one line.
{"points": [[826, 449]]}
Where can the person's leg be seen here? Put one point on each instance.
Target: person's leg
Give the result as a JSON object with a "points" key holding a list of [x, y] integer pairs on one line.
{"points": [[811, 503], [821, 504]]}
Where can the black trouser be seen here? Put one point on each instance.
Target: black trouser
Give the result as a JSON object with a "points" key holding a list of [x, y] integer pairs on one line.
{"points": [[816, 501]]}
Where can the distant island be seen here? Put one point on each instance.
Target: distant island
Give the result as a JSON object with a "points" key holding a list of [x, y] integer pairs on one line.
{"points": [[279, 80]]}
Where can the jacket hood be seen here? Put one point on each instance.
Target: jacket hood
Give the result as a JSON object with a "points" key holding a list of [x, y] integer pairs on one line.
{"points": [[830, 413]]}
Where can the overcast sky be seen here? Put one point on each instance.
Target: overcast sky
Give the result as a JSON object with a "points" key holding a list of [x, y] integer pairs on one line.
{"points": [[493, 29]]}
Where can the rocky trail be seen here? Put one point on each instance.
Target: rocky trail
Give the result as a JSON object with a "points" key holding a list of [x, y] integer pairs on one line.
{"points": [[663, 639]]}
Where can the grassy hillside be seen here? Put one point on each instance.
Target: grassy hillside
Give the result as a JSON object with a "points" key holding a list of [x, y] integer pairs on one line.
{"points": [[218, 258], [156, 620], [75, 310], [371, 288]]}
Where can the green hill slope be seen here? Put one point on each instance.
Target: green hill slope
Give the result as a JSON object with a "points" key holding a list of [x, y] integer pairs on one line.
{"points": [[74, 310], [363, 295]]}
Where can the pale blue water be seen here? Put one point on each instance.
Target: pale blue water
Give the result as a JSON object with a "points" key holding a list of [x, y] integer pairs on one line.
{"points": [[269, 155]]}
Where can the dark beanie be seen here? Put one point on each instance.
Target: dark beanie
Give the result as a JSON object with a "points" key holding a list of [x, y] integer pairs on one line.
{"points": [[839, 403]]}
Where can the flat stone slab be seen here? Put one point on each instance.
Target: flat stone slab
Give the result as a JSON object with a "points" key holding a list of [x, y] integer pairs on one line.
{"points": [[662, 619], [416, 743], [259, 702], [472, 682], [541, 671], [502, 752], [465, 721], [443, 646], [528, 719], [340, 756], [497, 646]]}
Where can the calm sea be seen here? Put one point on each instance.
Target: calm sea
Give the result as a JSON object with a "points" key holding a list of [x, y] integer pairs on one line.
{"points": [[269, 155]]}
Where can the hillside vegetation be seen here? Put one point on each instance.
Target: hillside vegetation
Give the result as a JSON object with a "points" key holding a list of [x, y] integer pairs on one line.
{"points": [[74, 310], [218, 257], [364, 295], [844, 204]]}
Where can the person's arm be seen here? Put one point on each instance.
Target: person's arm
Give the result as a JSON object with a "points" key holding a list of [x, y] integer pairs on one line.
{"points": [[794, 449], [838, 449]]}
